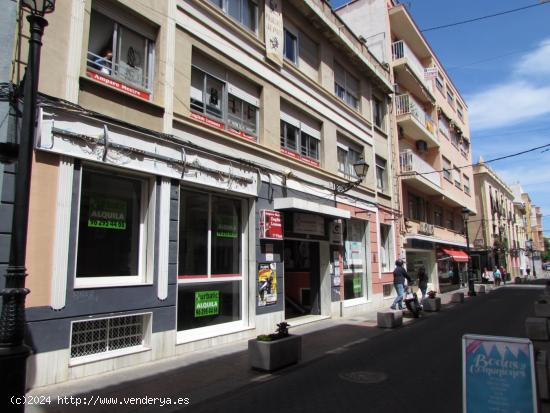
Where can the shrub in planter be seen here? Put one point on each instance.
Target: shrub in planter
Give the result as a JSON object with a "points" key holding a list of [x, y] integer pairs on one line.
{"points": [[270, 352]]}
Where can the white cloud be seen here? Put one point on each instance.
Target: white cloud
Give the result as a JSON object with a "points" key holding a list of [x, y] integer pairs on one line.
{"points": [[536, 63], [524, 96], [508, 104]]}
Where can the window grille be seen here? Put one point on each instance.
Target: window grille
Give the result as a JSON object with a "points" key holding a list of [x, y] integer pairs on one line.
{"points": [[107, 334]]}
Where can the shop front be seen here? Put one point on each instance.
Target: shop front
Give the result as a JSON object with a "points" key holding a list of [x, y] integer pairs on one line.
{"points": [[420, 254], [452, 268]]}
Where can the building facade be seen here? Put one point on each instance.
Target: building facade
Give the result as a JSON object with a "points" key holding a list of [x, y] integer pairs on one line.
{"points": [[193, 181], [432, 137]]}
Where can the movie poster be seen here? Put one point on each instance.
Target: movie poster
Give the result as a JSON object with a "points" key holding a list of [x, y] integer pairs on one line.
{"points": [[267, 284]]}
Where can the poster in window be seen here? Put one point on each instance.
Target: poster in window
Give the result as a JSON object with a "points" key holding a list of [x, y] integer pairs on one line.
{"points": [[226, 220], [267, 284], [107, 213], [207, 303], [274, 31]]}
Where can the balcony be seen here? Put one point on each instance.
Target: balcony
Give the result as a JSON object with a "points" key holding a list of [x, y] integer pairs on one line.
{"points": [[419, 174], [415, 122], [409, 72]]}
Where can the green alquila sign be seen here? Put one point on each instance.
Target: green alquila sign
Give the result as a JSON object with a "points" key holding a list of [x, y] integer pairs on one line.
{"points": [[107, 213], [207, 303], [357, 285]]}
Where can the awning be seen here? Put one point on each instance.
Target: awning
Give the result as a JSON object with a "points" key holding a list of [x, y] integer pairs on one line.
{"points": [[310, 206], [456, 255]]}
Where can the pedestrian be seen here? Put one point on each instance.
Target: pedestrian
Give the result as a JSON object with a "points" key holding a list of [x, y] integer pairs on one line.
{"points": [[528, 270], [485, 276], [422, 281], [504, 274], [399, 277], [497, 276]]}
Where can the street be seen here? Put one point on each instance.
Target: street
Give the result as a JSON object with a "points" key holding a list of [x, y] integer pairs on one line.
{"points": [[414, 368]]}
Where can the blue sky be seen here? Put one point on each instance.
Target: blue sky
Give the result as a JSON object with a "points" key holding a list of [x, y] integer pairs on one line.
{"points": [[502, 68]]}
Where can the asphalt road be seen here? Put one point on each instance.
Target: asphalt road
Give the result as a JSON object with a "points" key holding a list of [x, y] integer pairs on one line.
{"points": [[416, 368]]}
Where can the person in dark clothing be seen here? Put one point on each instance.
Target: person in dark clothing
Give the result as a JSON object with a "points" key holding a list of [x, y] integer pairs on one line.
{"points": [[399, 276], [422, 281]]}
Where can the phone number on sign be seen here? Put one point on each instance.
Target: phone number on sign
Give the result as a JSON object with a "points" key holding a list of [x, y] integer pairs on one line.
{"points": [[99, 401]]}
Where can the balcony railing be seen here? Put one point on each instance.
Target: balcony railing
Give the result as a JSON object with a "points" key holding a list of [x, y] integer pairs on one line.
{"points": [[401, 50], [121, 71], [411, 162], [406, 104]]}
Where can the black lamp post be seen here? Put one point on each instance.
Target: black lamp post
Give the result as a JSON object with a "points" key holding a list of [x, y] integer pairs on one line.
{"points": [[529, 244], [360, 167], [471, 287], [13, 351]]}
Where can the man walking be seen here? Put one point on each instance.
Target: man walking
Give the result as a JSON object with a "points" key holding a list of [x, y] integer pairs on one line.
{"points": [[399, 276]]}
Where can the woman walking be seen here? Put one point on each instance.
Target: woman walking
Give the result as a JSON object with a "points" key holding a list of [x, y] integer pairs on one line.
{"points": [[422, 281]]}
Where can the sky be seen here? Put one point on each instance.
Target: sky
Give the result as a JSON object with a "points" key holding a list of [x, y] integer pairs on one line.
{"points": [[501, 67]]}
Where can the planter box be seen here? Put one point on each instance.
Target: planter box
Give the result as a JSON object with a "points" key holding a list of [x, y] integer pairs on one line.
{"points": [[542, 309], [432, 304], [273, 355]]}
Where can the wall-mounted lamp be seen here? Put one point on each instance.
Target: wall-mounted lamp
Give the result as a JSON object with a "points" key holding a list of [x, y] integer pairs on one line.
{"points": [[360, 167]]}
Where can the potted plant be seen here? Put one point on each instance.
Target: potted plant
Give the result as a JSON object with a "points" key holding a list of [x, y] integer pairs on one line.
{"points": [[431, 303], [270, 352]]}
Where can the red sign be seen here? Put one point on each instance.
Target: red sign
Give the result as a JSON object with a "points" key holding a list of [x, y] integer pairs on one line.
{"points": [[118, 85], [271, 224], [301, 158], [219, 125]]}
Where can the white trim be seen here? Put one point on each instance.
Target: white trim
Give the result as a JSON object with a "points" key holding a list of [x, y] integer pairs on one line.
{"points": [[394, 243], [310, 206], [355, 301], [241, 94], [164, 239], [290, 119], [436, 240], [74, 52], [77, 361], [342, 146], [310, 131], [379, 244], [187, 336], [62, 233]]}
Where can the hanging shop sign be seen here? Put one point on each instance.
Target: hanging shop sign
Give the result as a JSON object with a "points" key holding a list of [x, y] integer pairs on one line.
{"points": [[274, 31], [107, 213], [267, 284], [207, 303], [425, 228], [271, 224], [336, 234], [498, 374], [308, 224], [118, 85]]}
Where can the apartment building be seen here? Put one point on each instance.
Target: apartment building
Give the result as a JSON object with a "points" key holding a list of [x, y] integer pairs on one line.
{"points": [[193, 180], [432, 137], [493, 228], [534, 232], [520, 249]]}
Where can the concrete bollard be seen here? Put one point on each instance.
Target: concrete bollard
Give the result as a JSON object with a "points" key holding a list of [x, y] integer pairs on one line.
{"points": [[480, 289], [389, 319], [457, 297], [542, 308], [431, 304], [537, 328], [517, 280]]}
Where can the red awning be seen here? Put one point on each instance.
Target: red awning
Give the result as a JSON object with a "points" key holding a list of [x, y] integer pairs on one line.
{"points": [[456, 255]]}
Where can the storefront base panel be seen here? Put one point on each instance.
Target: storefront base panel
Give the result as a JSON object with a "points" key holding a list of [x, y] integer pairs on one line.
{"points": [[374, 302], [207, 343], [44, 369], [267, 323]]}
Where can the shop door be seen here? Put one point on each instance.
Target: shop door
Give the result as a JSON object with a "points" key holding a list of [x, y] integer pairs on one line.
{"points": [[302, 278]]}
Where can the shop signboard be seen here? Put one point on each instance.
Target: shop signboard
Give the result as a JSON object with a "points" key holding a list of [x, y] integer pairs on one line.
{"points": [[271, 224], [309, 224], [425, 228], [107, 213], [267, 284], [207, 303], [498, 374], [336, 235], [357, 285]]}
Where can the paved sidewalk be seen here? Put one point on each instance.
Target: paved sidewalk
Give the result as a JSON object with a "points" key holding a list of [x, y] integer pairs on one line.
{"points": [[209, 373]]}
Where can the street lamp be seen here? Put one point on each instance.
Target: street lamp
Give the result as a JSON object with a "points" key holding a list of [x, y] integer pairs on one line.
{"points": [[360, 167], [471, 288], [529, 245], [13, 350]]}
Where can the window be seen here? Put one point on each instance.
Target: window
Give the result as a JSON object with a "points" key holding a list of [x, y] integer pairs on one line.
{"points": [[379, 112], [439, 83], [355, 263], [438, 216], [113, 229], [450, 221], [108, 335], [309, 56], [299, 139], [346, 87], [457, 177], [210, 251], [244, 11], [460, 111], [466, 184], [120, 52], [446, 169], [450, 96], [455, 139], [347, 157], [381, 174], [290, 47], [464, 147], [235, 109], [417, 208], [444, 127], [385, 247]]}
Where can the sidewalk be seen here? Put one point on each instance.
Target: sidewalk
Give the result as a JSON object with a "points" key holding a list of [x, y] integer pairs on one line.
{"points": [[209, 373]]}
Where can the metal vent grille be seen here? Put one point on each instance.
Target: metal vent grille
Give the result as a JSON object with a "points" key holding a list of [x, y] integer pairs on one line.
{"points": [[108, 334]]}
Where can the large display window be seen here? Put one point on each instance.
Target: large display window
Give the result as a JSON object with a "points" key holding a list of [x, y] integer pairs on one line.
{"points": [[355, 265], [210, 260]]}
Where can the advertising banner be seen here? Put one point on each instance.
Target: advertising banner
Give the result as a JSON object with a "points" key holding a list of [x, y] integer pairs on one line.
{"points": [[271, 224], [207, 303], [107, 213], [498, 374], [267, 284], [274, 34]]}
